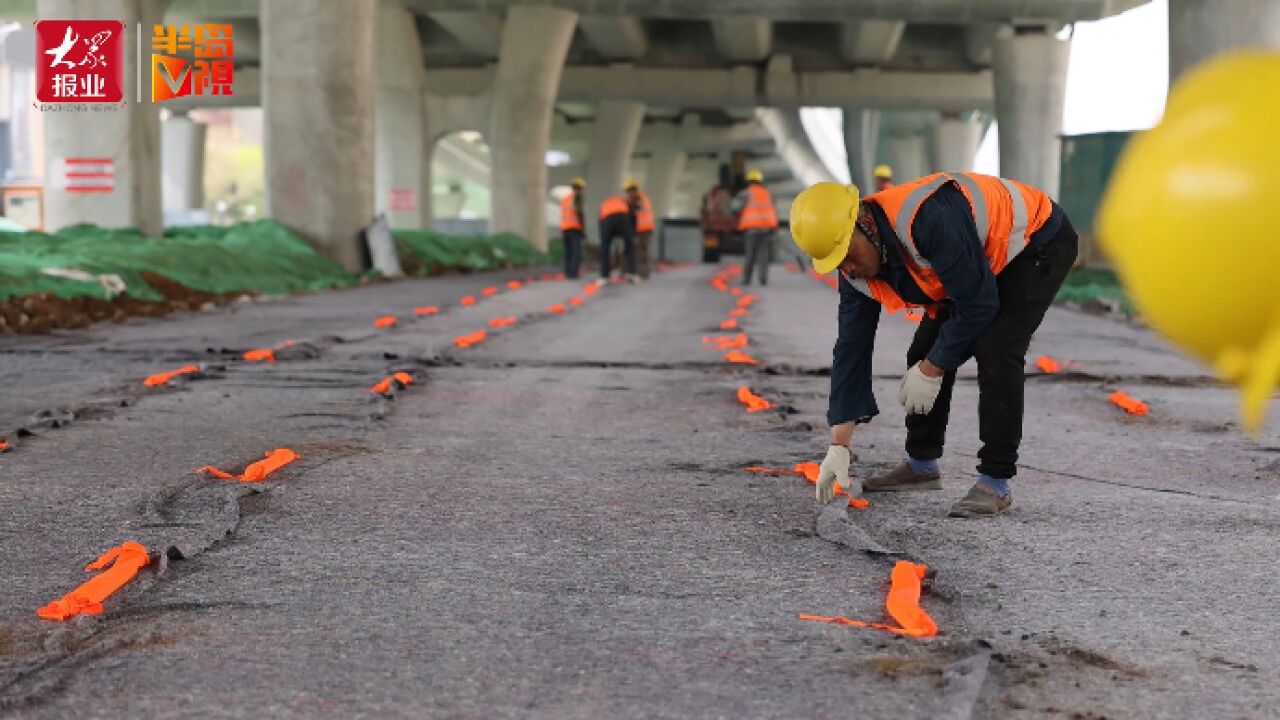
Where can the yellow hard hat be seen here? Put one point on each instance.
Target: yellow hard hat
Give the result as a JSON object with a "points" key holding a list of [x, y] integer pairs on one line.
{"points": [[578, 182], [631, 184], [822, 219], [755, 176], [883, 172], [1188, 219]]}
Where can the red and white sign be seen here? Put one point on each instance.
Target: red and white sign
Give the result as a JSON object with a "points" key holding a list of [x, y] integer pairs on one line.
{"points": [[87, 174], [403, 199], [79, 61]]}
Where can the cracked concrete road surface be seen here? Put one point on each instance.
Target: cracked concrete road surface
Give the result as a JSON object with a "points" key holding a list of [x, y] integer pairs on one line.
{"points": [[557, 523]]}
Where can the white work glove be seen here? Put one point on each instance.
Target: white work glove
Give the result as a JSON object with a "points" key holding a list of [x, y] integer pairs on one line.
{"points": [[834, 469], [918, 391]]}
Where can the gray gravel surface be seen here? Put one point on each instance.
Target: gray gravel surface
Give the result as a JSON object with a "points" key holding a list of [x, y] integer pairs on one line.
{"points": [[557, 523]]}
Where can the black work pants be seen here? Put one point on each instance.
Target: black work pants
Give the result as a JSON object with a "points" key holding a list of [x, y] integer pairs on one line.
{"points": [[617, 226], [1027, 288], [572, 253]]}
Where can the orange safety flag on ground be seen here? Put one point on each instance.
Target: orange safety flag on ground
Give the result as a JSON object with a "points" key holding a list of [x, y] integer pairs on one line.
{"points": [[384, 386], [575, 301], [1128, 403], [466, 341], [729, 324], [513, 285], [736, 292], [754, 402], [468, 300], [260, 354], [4, 446], [724, 343], [903, 604], [557, 308], [164, 377], [590, 289], [720, 283], [489, 291], [503, 321], [426, 310], [1048, 364], [809, 471], [738, 312], [256, 472], [385, 321], [119, 565], [746, 300], [737, 356]]}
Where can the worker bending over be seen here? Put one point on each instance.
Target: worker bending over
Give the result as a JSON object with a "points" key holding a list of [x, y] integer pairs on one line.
{"points": [[617, 221], [985, 257]]}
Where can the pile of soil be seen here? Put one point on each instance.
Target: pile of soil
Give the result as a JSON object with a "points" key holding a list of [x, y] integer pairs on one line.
{"points": [[44, 312]]}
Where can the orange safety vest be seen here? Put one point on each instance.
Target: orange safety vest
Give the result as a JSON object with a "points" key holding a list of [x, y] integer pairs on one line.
{"points": [[1006, 213], [759, 213], [614, 206], [644, 214], [569, 218]]}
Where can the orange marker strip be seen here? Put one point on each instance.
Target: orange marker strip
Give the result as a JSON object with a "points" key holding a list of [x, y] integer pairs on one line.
{"points": [[590, 289], [575, 300], [468, 300], [164, 377], [1048, 364], [4, 446], [427, 310], [266, 354], [754, 402], [730, 324], [119, 564], [489, 291], [737, 356], [556, 309], [256, 472], [746, 300], [738, 312], [475, 338], [503, 321], [386, 321], [718, 282], [903, 604], [513, 285], [383, 387], [1129, 404]]}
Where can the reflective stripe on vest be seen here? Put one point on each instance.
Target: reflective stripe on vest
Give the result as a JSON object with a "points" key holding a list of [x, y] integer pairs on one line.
{"points": [[569, 219], [1005, 213], [644, 214], [614, 206], [759, 213]]}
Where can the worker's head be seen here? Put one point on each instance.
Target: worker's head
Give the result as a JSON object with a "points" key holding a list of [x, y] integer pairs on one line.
{"points": [[631, 187], [825, 224], [578, 183], [755, 176], [884, 177]]}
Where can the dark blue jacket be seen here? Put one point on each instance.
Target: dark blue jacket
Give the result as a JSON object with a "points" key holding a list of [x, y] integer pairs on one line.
{"points": [[947, 237]]}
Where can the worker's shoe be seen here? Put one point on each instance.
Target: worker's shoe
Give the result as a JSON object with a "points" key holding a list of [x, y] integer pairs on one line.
{"points": [[981, 501], [903, 478]]}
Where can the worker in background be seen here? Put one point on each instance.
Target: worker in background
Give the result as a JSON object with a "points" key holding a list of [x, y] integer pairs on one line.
{"points": [[883, 177], [617, 221], [985, 257], [716, 221], [642, 211], [571, 227], [758, 221]]}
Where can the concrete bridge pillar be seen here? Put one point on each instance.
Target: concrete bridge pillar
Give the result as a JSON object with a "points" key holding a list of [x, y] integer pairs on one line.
{"points": [[861, 137], [319, 120], [613, 138], [534, 43], [1199, 29], [1031, 79], [907, 154], [666, 167], [402, 172], [955, 144], [182, 163], [129, 136]]}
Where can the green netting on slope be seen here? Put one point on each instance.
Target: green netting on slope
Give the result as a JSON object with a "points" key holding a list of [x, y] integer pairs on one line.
{"points": [[261, 256], [423, 252], [1096, 285]]}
